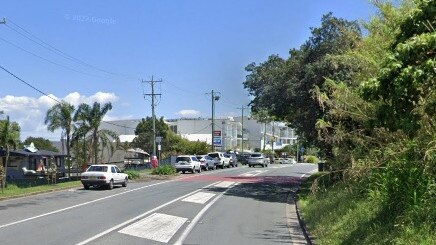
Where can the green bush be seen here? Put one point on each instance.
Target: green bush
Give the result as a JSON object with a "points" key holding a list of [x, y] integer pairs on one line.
{"points": [[164, 170], [133, 174], [311, 159]]}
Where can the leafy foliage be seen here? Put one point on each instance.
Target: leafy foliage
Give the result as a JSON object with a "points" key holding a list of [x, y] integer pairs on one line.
{"points": [[369, 104], [91, 118], [171, 142], [284, 88], [132, 174], [40, 143], [9, 139], [164, 170]]}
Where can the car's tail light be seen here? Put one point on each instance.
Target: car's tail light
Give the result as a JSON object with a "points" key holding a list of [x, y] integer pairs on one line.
{"points": [[101, 177]]}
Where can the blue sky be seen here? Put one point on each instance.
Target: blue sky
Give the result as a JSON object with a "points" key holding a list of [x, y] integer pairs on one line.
{"points": [[194, 46]]}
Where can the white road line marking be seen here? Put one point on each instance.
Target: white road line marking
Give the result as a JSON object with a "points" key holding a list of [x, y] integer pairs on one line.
{"points": [[252, 173], [199, 197], [198, 217], [158, 227], [86, 203], [140, 216], [225, 184]]}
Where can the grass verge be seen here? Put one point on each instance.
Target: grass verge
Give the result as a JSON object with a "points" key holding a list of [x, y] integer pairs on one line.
{"points": [[14, 191], [337, 215]]}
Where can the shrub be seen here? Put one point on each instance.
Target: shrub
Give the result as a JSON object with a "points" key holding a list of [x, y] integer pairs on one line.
{"points": [[164, 170], [133, 174], [311, 159]]}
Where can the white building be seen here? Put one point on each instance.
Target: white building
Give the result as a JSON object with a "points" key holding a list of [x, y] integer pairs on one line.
{"points": [[276, 134]]}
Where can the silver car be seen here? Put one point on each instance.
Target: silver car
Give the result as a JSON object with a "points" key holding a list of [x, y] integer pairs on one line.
{"points": [[206, 162], [258, 158]]}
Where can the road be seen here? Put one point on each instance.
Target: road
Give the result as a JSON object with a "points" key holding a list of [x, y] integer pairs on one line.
{"points": [[231, 206]]}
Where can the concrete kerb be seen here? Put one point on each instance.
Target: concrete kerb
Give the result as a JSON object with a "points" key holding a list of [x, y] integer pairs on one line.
{"points": [[309, 237]]}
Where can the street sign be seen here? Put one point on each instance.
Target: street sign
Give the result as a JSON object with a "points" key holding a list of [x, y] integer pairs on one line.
{"points": [[158, 139], [217, 133], [217, 141], [302, 149]]}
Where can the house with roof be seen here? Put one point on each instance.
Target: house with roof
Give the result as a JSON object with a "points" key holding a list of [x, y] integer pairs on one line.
{"points": [[31, 162]]}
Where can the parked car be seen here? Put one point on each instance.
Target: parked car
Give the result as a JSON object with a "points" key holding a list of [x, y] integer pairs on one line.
{"points": [[258, 158], [233, 159], [243, 158], [206, 162], [220, 159], [103, 175], [279, 160], [187, 163], [289, 160]]}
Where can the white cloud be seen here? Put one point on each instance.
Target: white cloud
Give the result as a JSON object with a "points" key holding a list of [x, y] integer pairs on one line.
{"points": [[30, 112], [188, 113]]}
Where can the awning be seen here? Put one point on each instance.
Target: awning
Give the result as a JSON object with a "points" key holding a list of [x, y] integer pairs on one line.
{"points": [[138, 150]]}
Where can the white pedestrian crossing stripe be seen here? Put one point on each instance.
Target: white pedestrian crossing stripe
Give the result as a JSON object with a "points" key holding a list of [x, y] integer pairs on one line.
{"points": [[158, 227], [224, 184], [252, 173], [200, 197]]}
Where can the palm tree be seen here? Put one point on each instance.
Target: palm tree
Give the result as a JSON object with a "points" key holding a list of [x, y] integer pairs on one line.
{"points": [[9, 139], [60, 116], [106, 138], [91, 118]]}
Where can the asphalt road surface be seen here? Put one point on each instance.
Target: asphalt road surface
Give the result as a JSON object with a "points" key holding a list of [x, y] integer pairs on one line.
{"points": [[231, 206]]}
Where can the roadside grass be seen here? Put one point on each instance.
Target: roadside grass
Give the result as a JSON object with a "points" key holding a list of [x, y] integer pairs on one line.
{"points": [[337, 215], [164, 170], [12, 190], [23, 189]]}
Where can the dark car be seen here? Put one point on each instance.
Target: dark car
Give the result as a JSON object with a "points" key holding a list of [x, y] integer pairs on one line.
{"points": [[243, 158]]}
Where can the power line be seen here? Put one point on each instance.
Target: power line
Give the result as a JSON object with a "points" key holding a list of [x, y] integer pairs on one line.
{"points": [[57, 51], [47, 60], [44, 93], [28, 84]]}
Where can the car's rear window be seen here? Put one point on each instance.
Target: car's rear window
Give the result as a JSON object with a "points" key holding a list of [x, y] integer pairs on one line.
{"points": [[183, 159], [213, 155], [97, 169], [256, 155]]}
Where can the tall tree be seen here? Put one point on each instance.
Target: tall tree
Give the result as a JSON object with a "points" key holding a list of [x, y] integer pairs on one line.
{"points": [[60, 116], [286, 87], [144, 132], [9, 139], [91, 118]]}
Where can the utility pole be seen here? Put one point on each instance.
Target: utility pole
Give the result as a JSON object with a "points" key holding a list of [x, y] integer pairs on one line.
{"points": [[3, 22], [242, 122], [153, 105], [215, 97]]}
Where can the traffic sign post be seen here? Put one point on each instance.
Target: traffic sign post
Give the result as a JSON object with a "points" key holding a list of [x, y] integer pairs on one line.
{"points": [[217, 140]]}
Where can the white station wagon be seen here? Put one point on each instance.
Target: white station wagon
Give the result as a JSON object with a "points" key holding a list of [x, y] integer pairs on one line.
{"points": [[103, 175]]}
